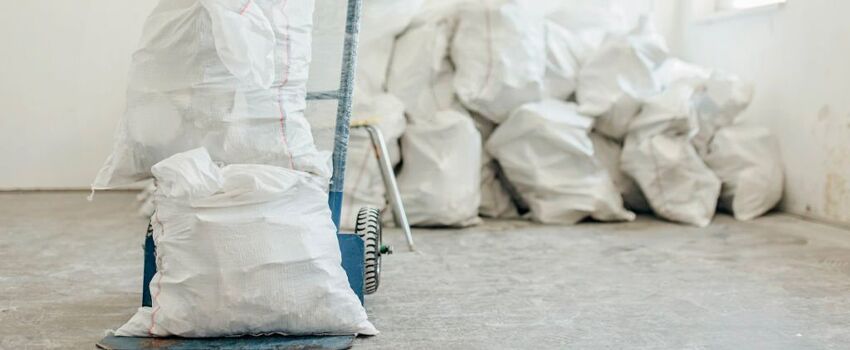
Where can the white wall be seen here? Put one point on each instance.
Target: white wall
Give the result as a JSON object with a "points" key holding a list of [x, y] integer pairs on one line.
{"points": [[62, 77], [799, 58]]}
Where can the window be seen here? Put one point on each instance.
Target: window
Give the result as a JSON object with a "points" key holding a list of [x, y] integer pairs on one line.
{"points": [[727, 5], [710, 11]]}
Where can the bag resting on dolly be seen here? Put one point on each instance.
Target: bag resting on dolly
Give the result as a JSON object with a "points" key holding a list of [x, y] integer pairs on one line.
{"points": [[244, 250]]}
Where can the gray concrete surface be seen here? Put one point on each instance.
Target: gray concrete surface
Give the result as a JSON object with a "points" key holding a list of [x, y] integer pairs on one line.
{"points": [[69, 270]]}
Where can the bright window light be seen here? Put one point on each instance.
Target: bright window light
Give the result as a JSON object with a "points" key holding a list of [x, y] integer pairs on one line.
{"points": [[745, 4]]}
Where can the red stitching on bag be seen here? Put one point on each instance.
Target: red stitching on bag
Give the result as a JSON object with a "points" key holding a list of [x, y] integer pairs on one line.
{"points": [[287, 62], [246, 7], [160, 273]]}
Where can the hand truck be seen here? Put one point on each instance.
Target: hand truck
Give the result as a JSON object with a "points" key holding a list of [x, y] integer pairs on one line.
{"points": [[361, 251]]}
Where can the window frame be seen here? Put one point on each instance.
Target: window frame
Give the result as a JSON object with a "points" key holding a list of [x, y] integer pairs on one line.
{"points": [[710, 11]]}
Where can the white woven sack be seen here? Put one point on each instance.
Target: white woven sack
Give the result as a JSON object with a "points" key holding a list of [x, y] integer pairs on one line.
{"points": [[441, 176], [613, 81], [244, 250], [747, 160], [546, 153], [659, 156], [499, 53], [224, 75]]}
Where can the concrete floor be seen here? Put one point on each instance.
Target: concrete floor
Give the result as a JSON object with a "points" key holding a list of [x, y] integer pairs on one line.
{"points": [[69, 270]]}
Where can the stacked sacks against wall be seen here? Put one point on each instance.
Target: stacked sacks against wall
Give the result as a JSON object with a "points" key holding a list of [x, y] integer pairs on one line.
{"points": [[488, 60], [669, 144]]}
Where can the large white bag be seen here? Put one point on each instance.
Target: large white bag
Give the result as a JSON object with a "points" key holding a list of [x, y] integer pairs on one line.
{"points": [[421, 73], [382, 21], [499, 52], [719, 103], [546, 153], [591, 21], [364, 185], [748, 162], [441, 176], [659, 156], [614, 80], [677, 184], [221, 75], [496, 200], [718, 100], [562, 66], [676, 71], [608, 152], [244, 250]]}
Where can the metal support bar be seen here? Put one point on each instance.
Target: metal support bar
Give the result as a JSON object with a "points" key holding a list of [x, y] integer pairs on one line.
{"points": [[323, 95], [390, 182], [343, 118]]}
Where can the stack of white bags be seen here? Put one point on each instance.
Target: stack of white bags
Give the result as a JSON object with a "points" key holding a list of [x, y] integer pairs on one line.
{"points": [[245, 244], [578, 116]]}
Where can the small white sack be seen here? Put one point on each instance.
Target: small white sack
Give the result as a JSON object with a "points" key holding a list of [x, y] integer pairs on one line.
{"points": [[719, 103], [382, 21], [613, 81], [608, 152], [421, 73], [441, 176], [676, 71], [364, 185], [748, 162], [499, 53], [659, 156], [496, 201], [591, 21], [561, 64], [546, 153], [220, 75], [718, 100], [244, 250], [676, 182]]}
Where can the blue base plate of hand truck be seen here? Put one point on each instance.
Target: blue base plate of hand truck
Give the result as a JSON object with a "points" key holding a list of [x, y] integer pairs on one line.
{"points": [[252, 343]]}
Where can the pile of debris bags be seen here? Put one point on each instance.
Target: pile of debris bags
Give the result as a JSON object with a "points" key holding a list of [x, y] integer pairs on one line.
{"points": [[215, 115], [579, 116]]}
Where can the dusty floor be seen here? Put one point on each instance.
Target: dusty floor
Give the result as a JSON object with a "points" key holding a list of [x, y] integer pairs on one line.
{"points": [[69, 270]]}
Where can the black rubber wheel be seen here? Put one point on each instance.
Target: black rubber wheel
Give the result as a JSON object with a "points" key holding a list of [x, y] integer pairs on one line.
{"points": [[369, 229]]}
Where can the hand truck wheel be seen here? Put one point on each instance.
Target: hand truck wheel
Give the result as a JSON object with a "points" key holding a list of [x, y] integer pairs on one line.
{"points": [[369, 229]]}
